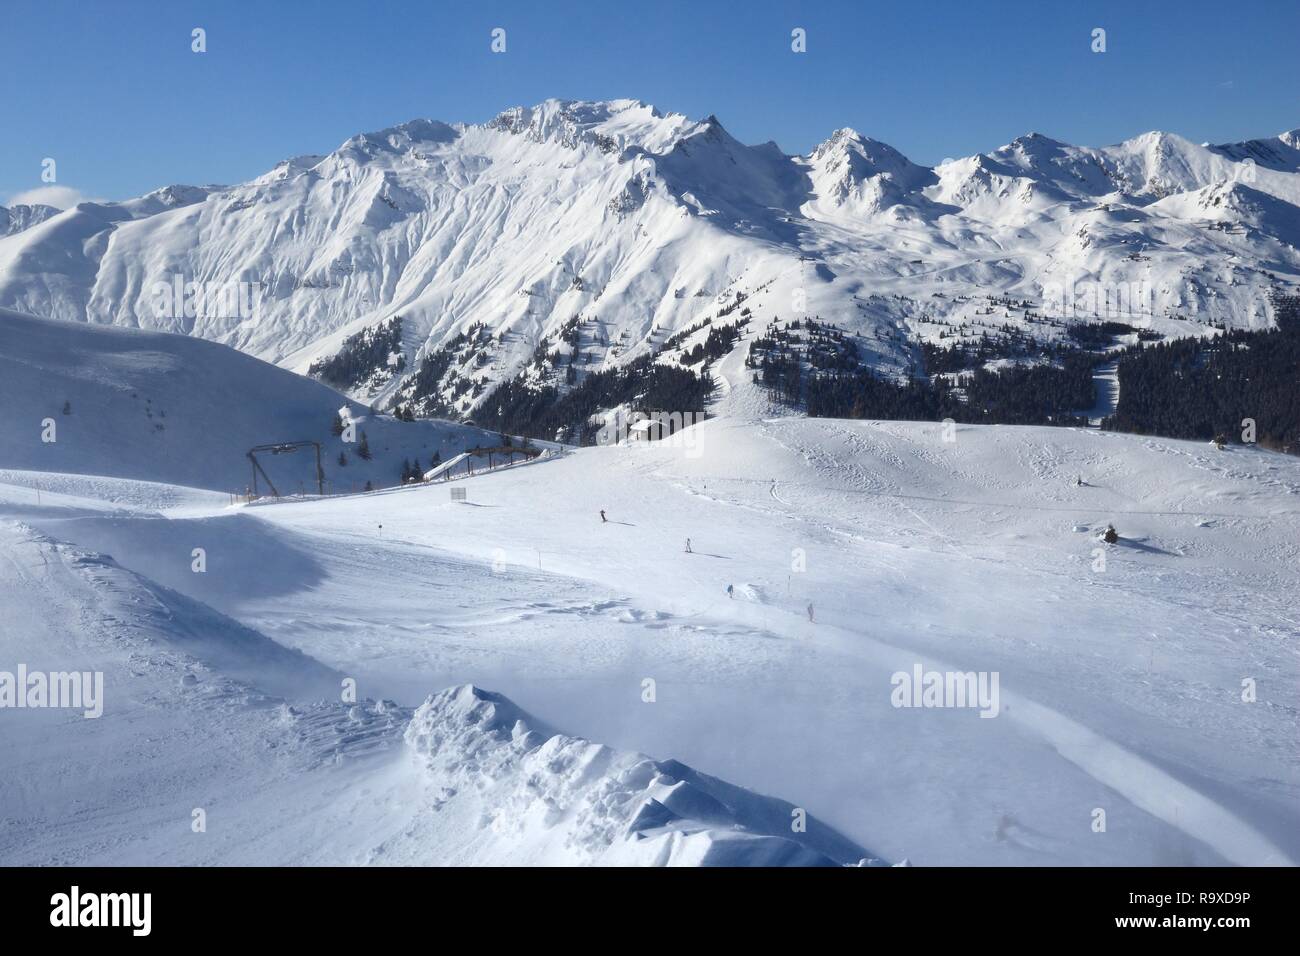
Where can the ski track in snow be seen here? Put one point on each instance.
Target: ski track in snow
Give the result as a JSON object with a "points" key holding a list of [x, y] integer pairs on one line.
{"points": [[1144, 784]]}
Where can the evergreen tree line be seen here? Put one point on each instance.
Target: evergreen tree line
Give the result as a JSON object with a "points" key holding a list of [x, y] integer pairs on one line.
{"points": [[1188, 388], [522, 408], [361, 356], [716, 344], [1205, 388], [1017, 395], [1099, 335], [816, 365], [779, 353], [424, 389], [411, 470], [968, 355]]}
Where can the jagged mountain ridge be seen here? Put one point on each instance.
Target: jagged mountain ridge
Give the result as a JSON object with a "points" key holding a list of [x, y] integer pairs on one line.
{"points": [[644, 223], [16, 218]]}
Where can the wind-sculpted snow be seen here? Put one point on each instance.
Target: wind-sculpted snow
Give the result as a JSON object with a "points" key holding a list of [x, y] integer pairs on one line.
{"points": [[551, 798], [185, 724], [650, 222]]}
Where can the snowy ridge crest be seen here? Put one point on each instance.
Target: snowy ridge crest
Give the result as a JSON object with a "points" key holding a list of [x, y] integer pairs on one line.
{"points": [[598, 805]]}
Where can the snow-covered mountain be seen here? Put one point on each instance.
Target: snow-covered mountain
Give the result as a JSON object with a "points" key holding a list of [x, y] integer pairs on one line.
{"points": [[1281, 153], [15, 219], [644, 223], [171, 408]]}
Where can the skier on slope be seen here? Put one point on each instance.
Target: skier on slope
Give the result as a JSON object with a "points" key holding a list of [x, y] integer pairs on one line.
{"points": [[603, 519], [688, 546], [1110, 536], [730, 591]]}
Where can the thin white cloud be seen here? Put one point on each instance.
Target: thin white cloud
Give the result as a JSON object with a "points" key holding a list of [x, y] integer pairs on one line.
{"points": [[60, 197]]}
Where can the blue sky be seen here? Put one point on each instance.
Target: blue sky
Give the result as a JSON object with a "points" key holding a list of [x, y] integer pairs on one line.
{"points": [[113, 93]]}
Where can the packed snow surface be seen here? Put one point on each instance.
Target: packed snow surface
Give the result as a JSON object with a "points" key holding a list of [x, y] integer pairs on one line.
{"points": [[464, 779], [1149, 685]]}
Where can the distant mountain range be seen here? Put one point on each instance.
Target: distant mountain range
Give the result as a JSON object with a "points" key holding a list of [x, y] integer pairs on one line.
{"points": [[641, 224]]}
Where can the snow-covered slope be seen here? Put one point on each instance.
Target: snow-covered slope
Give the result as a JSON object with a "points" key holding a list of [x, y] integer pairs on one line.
{"points": [[1281, 152], [215, 745], [649, 222], [177, 409], [51, 267], [1153, 680]]}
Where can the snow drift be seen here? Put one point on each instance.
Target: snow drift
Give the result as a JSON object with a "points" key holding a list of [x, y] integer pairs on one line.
{"points": [[543, 798], [203, 712]]}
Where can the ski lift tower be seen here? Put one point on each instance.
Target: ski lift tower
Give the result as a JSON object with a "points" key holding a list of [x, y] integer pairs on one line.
{"points": [[284, 448]]}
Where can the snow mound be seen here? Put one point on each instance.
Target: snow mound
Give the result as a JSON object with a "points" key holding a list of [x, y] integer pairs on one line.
{"points": [[566, 799]]}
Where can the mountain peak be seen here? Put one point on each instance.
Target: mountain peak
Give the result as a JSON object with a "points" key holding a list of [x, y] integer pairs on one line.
{"points": [[1036, 140], [404, 135], [848, 140], [843, 137], [871, 176], [1160, 140], [609, 125]]}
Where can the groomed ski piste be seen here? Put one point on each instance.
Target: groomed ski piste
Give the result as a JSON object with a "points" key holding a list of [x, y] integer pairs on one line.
{"points": [[537, 686]]}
